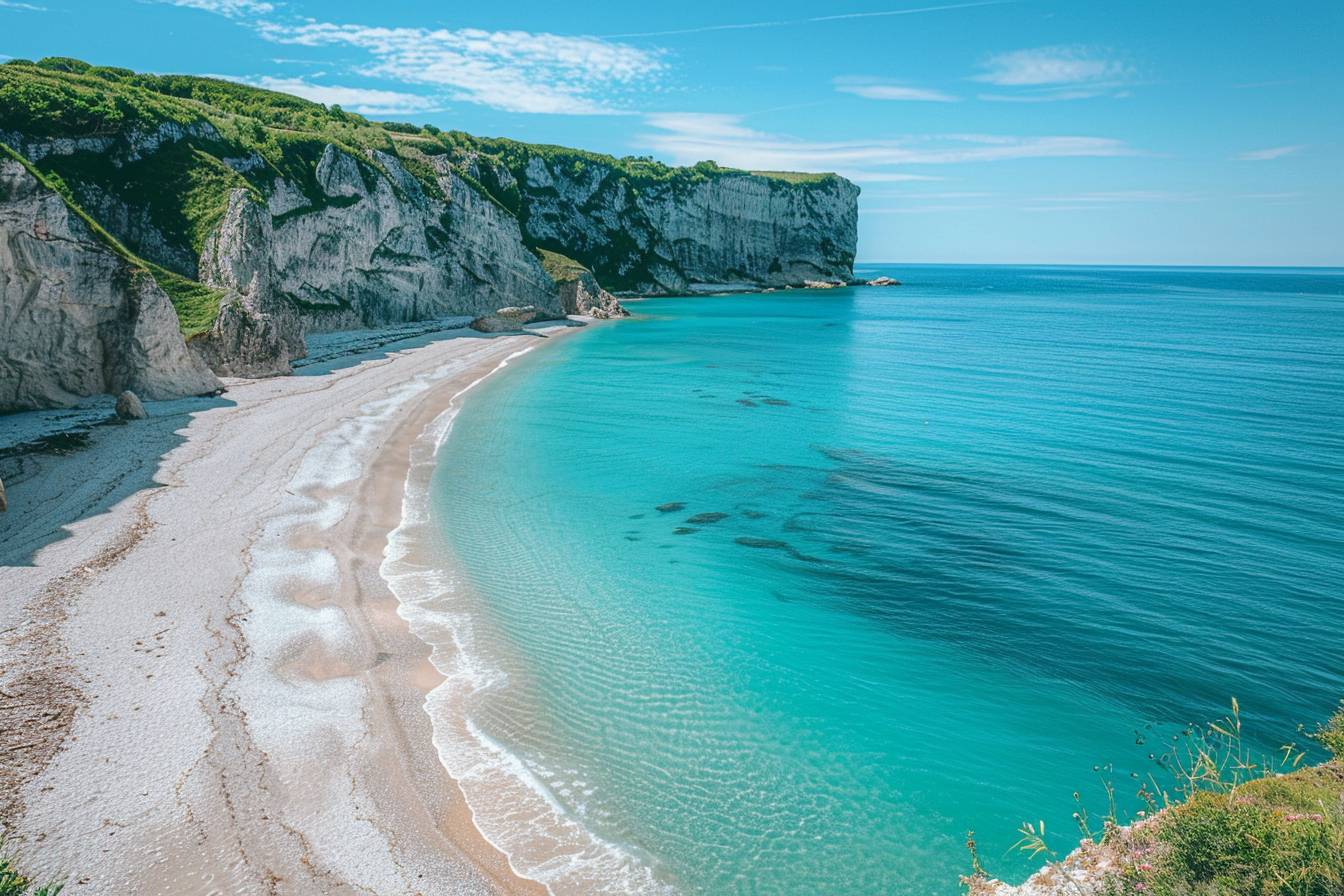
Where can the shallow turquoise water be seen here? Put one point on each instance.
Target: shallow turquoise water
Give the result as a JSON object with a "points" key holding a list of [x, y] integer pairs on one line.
{"points": [[984, 532]]}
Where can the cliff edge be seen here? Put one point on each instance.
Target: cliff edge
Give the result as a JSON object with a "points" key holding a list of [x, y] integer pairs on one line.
{"points": [[245, 219]]}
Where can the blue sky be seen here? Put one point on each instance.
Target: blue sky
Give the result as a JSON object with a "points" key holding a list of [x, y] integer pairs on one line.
{"points": [[1017, 132]]}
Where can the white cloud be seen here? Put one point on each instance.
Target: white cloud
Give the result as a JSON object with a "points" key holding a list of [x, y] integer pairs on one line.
{"points": [[516, 71], [26, 7], [1052, 65], [1053, 96], [354, 99], [1047, 74], [230, 8], [690, 137], [1265, 155], [873, 89]]}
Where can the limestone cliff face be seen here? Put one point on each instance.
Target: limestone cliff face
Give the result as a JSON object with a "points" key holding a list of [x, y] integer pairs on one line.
{"points": [[374, 248], [76, 318], [722, 228], [296, 218]]}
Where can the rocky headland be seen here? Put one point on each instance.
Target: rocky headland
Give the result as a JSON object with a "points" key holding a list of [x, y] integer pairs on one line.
{"points": [[158, 232]]}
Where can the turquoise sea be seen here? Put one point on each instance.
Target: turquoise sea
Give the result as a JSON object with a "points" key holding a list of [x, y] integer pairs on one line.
{"points": [[972, 538]]}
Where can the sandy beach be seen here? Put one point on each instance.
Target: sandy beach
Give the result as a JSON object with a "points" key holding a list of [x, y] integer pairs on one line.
{"points": [[205, 686]]}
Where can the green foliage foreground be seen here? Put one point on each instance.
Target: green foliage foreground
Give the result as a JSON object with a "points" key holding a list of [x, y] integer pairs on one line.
{"points": [[13, 883], [1227, 823]]}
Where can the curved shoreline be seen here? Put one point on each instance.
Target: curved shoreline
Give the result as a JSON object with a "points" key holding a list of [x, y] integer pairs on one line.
{"points": [[508, 804], [250, 708]]}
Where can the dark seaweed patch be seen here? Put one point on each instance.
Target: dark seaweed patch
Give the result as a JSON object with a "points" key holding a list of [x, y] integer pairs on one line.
{"points": [[704, 519], [776, 545], [671, 507]]}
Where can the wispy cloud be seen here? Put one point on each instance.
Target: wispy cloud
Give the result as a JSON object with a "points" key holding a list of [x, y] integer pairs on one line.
{"points": [[1122, 197], [26, 7], [1048, 74], [355, 99], [1266, 155], [515, 71], [812, 20], [875, 89], [230, 8], [690, 137], [923, 209]]}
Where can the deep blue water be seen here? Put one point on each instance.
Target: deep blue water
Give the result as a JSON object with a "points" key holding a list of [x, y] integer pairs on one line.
{"points": [[983, 532]]}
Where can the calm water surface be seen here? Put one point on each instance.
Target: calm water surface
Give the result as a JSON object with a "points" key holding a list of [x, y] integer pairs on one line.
{"points": [[970, 538]]}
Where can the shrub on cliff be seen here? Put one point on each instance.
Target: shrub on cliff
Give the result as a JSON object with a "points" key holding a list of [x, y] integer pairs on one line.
{"points": [[1234, 824]]}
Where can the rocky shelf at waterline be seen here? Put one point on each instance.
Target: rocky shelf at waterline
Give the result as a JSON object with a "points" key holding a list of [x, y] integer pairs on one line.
{"points": [[160, 231]]}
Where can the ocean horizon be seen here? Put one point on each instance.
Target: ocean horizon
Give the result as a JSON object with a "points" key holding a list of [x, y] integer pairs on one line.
{"points": [[790, 592]]}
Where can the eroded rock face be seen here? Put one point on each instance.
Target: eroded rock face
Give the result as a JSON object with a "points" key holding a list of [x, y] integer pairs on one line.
{"points": [[584, 295], [735, 229], [76, 319], [376, 249], [505, 320], [259, 330]]}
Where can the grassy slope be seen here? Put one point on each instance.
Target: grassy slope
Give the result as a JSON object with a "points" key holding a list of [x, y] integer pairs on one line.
{"points": [[560, 268], [184, 187], [1235, 828]]}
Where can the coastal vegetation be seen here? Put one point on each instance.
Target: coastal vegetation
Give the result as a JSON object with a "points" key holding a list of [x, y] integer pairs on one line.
{"points": [[560, 268], [15, 883], [1219, 820]]}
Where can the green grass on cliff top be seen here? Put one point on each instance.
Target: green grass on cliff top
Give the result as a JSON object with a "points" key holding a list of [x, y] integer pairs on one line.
{"points": [[196, 304], [560, 268], [183, 188]]}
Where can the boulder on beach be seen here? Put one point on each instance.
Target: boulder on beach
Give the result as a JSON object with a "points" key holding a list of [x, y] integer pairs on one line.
{"points": [[507, 319], [129, 406]]}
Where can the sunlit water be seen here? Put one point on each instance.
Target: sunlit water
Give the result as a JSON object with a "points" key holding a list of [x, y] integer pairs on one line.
{"points": [[981, 533]]}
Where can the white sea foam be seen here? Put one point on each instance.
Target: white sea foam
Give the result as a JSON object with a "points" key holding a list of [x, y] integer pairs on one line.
{"points": [[288, 714], [510, 802]]}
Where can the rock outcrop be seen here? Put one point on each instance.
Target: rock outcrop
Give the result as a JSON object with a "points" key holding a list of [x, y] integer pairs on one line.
{"points": [[704, 226], [506, 320], [372, 249], [585, 296], [129, 406], [76, 317]]}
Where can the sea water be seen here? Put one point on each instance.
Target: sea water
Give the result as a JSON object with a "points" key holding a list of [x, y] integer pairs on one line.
{"points": [[786, 593]]}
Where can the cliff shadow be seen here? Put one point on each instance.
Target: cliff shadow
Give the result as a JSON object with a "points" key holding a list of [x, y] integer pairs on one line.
{"points": [[66, 465]]}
